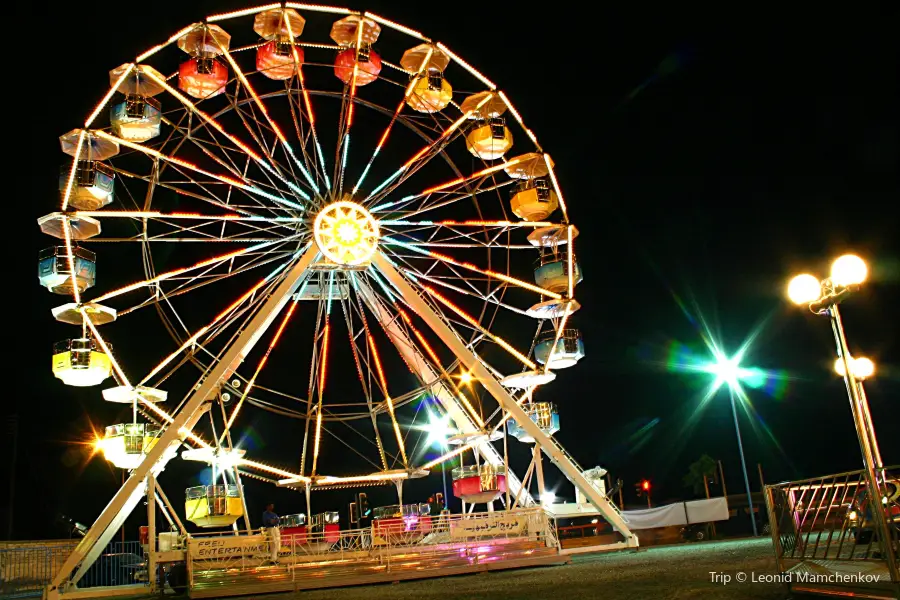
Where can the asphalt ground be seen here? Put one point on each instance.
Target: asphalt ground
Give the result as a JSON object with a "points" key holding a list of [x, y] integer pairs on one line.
{"points": [[663, 573]]}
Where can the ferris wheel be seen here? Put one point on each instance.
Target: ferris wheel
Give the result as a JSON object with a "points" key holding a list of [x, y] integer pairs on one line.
{"points": [[266, 182]]}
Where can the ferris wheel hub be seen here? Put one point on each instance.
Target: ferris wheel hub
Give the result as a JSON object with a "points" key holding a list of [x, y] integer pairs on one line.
{"points": [[346, 234]]}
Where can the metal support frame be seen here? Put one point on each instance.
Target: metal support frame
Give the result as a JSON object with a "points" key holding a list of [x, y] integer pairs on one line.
{"points": [[865, 433], [128, 496], [151, 531], [170, 509], [539, 470], [135, 487], [503, 398], [237, 478], [450, 403]]}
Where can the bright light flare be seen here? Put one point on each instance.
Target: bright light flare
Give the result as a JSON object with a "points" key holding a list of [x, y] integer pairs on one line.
{"points": [[439, 429], [466, 378], [849, 270], [727, 371], [804, 289], [548, 498], [861, 367]]}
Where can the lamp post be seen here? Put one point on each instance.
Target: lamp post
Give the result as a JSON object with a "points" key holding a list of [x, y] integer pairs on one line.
{"points": [[728, 371], [823, 297], [862, 368], [439, 429]]}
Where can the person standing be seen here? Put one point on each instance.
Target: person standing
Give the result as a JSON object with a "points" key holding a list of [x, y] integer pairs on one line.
{"points": [[270, 522]]}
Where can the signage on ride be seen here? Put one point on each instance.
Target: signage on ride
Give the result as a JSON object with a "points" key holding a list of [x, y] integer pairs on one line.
{"points": [[227, 546], [495, 525]]}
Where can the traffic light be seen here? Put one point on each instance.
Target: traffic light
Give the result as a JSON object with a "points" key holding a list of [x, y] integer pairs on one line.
{"points": [[363, 505], [645, 487], [639, 489], [354, 513]]}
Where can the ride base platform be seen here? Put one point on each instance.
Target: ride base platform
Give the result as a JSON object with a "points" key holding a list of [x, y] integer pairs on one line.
{"points": [[366, 567]]}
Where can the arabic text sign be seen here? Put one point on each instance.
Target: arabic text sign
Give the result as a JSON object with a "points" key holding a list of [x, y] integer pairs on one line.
{"points": [[228, 546], [498, 524]]}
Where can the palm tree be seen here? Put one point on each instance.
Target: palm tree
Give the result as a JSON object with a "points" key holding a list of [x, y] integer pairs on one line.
{"points": [[700, 473]]}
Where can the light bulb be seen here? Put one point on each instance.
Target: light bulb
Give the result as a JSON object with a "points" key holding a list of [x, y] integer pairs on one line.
{"points": [[861, 367], [849, 270], [804, 289]]}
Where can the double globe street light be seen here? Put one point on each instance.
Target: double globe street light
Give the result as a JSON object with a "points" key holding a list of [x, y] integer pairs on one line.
{"points": [[823, 297]]}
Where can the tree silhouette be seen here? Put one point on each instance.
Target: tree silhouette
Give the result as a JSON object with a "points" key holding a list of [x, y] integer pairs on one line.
{"points": [[699, 474]]}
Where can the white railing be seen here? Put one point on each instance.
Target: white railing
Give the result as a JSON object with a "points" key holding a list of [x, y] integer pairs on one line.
{"points": [[831, 521], [476, 537]]}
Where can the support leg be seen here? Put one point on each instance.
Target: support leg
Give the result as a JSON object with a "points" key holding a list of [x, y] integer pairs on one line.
{"points": [[171, 509], [539, 470], [126, 499], [507, 402], [408, 348], [151, 532]]}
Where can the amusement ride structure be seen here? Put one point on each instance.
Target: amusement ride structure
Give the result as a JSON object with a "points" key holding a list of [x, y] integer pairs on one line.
{"points": [[400, 257]]}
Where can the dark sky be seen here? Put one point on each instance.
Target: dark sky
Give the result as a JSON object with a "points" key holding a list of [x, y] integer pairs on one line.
{"points": [[705, 159]]}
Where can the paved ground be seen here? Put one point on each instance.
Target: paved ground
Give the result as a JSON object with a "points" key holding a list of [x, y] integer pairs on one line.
{"points": [[667, 573]]}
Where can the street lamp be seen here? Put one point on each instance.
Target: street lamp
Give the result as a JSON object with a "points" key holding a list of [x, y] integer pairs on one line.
{"points": [[439, 429], [729, 372], [823, 297]]}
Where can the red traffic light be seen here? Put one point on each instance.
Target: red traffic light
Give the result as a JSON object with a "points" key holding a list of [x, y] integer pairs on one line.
{"points": [[645, 485]]}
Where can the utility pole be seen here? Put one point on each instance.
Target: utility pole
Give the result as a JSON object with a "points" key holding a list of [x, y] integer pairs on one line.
{"points": [[706, 487], [13, 424], [722, 477]]}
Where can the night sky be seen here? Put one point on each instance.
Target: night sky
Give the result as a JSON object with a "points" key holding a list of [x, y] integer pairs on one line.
{"points": [[705, 159]]}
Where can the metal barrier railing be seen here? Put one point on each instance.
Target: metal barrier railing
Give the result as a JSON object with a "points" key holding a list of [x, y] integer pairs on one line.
{"points": [[831, 519], [24, 571], [122, 563], [26, 568]]}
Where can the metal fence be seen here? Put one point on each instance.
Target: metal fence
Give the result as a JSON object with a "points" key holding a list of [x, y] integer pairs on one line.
{"points": [[828, 525], [26, 569], [122, 563]]}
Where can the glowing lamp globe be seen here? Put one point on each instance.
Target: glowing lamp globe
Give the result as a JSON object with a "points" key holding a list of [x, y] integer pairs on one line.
{"points": [[804, 289], [862, 367], [849, 270]]}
